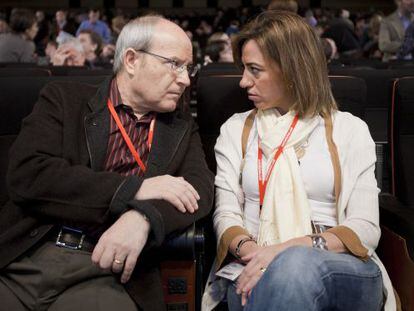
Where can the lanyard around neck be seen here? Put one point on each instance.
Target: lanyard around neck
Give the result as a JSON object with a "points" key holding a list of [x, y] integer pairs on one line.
{"points": [[263, 184], [128, 140]]}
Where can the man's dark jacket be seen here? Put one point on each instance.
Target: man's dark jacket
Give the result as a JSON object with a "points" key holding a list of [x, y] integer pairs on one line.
{"points": [[55, 174]]}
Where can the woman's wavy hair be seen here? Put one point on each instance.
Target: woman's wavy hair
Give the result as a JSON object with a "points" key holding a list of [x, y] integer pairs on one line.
{"points": [[287, 40]]}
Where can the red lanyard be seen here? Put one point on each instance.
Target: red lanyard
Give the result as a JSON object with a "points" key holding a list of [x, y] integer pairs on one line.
{"points": [[263, 184], [128, 140]]}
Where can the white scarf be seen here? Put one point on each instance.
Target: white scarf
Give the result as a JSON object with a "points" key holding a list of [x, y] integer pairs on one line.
{"points": [[285, 212]]}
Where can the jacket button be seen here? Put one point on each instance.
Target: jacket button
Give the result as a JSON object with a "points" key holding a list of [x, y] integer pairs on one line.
{"points": [[34, 232], [94, 123]]}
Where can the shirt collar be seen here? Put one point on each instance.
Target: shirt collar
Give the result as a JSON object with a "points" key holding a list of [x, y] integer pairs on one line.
{"points": [[116, 99]]}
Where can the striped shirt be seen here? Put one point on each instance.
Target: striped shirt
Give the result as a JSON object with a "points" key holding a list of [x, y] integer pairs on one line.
{"points": [[119, 158]]}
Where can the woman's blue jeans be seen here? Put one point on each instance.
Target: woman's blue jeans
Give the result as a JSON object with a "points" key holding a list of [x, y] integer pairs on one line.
{"points": [[304, 278]]}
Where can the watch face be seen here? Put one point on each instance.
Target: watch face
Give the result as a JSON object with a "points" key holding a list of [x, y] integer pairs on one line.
{"points": [[319, 242]]}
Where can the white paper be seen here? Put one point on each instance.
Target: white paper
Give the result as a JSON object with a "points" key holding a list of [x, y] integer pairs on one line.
{"points": [[231, 271]]}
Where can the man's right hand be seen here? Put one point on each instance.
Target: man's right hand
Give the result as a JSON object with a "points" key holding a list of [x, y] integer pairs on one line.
{"points": [[175, 190]]}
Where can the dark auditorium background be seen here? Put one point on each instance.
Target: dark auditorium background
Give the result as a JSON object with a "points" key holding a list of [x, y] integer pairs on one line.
{"points": [[189, 4]]}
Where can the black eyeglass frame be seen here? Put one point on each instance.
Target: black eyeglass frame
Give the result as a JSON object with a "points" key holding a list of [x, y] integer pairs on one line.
{"points": [[191, 69]]}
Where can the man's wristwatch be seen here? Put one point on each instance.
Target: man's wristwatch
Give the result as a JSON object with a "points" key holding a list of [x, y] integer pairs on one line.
{"points": [[318, 241]]}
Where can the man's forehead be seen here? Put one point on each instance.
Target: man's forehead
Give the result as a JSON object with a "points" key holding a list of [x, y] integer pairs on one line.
{"points": [[175, 43]]}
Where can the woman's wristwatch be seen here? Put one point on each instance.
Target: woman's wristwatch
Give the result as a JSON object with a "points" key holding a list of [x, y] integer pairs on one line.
{"points": [[318, 241]]}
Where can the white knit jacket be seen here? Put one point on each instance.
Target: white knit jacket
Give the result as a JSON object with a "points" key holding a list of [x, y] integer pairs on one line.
{"points": [[358, 201]]}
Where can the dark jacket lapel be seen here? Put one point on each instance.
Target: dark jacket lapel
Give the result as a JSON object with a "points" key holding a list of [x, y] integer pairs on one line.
{"points": [[96, 126], [168, 135]]}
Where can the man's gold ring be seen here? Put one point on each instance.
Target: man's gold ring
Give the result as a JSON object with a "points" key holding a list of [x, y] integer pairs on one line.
{"points": [[263, 269], [118, 262]]}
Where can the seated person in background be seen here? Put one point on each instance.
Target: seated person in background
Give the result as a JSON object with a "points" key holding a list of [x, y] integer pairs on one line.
{"points": [[392, 29], [407, 47], [284, 5], [370, 47], [90, 204], [118, 22], [63, 24], [92, 45], [219, 36], [329, 49], [218, 49], [4, 27], [108, 53], [51, 48], [70, 53], [296, 195], [17, 46], [95, 24]]}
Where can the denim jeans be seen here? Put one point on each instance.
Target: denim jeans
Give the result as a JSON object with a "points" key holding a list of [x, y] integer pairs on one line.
{"points": [[304, 278]]}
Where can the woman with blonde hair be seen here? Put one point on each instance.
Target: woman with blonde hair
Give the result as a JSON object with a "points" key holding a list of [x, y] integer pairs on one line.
{"points": [[296, 197]]}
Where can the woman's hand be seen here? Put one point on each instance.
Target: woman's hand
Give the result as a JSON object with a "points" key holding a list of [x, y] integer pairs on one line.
{"points": [[247, 250], [258, 261]]}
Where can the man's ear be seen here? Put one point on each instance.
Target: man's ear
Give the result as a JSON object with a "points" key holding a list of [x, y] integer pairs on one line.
{"points": [[130, 60]]}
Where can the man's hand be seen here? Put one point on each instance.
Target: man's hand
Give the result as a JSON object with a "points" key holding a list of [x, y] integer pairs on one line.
{"points": [[175, 190], [120, 245]]}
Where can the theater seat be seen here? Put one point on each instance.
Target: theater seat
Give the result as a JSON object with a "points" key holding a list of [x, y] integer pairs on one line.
{"points": [[19, 94], [396, 247], [219, 96], [24, 72]]}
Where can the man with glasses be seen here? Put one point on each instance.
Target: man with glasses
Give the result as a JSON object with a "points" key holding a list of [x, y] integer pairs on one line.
{"points": [[99, 177]]}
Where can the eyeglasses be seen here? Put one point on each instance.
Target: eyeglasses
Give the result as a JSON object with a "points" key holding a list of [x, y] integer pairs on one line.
{"points": [[191, 69]]}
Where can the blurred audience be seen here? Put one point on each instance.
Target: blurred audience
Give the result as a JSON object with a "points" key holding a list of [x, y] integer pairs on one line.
{"points": [[284, 5], [341, 30], [407, 47], [233, 28], [218, 49], [118, 22], [70, 53], [330, 49], [18, 46], [92, 47], [4, 27], [95, 24], [355, 34], [42, 35], [370, 46], [63, 24], [391, 34], [50, 50]]}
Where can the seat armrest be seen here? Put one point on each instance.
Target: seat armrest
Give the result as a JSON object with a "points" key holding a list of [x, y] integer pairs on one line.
{"points": [[185, 245], [398, 218]]}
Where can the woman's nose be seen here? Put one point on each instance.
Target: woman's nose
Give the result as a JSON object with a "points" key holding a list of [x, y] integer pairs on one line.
{"points": [[245, 81]]}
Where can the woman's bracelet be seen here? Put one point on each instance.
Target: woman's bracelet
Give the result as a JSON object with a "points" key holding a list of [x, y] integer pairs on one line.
{"points": [[240, 244]]}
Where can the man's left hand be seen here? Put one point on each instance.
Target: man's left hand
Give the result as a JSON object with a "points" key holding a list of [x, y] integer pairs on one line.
{"points": [[120, 245]]}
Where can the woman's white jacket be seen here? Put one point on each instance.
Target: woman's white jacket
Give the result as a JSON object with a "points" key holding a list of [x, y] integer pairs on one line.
{"points": [[357, 207]]}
